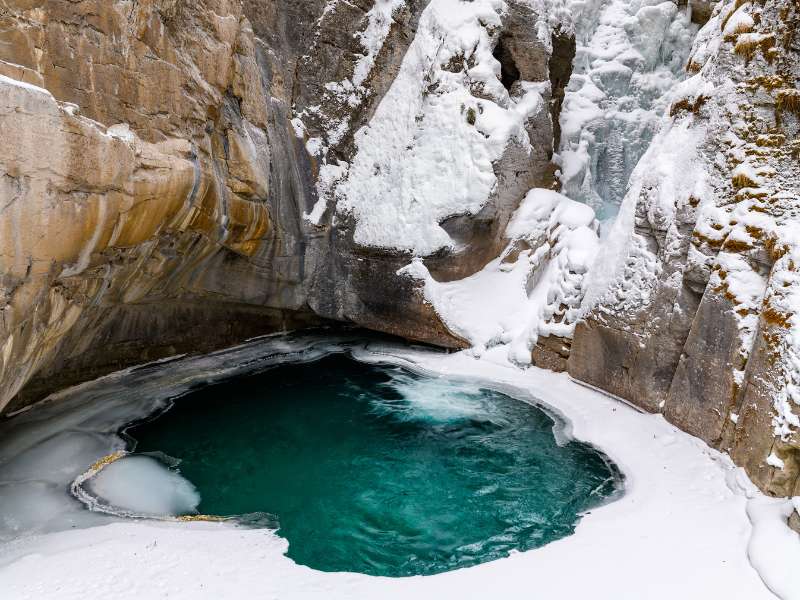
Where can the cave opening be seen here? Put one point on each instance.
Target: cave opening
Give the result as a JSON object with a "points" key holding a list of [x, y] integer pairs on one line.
{"points": [[509, 73]]}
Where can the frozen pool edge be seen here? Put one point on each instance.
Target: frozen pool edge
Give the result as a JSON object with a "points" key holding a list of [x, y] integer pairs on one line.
{"points": [[679, 515]]}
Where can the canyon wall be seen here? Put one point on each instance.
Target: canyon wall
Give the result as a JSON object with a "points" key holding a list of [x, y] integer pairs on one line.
{"points": [[169, 169], [178, 176], [693, 312]]}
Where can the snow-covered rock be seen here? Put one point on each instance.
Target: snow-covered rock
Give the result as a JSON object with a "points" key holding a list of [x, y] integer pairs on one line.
{"points": [[693, 302], [534, 288]]}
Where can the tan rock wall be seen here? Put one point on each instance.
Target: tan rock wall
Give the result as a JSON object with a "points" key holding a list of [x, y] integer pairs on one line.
{"points": [[141, 156]]}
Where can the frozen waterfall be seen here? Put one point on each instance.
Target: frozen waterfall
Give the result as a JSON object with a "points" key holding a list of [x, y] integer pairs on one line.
{"points": [[630, 54]]}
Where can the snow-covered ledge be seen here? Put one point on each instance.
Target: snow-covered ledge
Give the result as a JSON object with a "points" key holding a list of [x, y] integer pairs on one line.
{"points": [[690, 525]]}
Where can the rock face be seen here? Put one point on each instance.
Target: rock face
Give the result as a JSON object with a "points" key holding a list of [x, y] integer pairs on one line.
{"points": [[135, 165], [169, 171], [696, 312]]}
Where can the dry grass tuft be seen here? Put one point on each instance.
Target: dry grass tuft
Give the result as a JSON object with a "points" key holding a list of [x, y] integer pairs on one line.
{"points": [[741, 180], [768, 82], [775, 317], [775, 250], [685, 105], [736, 246], [755, 232], [748, 46], [699, 239], [788, 101], [740, 29], [772, 140]]}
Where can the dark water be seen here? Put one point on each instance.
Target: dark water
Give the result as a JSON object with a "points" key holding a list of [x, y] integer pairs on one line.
{"points": [[374, 470]]}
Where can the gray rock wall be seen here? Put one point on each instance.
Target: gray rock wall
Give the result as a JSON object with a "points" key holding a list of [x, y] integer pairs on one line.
{"points": [[700, 319]]}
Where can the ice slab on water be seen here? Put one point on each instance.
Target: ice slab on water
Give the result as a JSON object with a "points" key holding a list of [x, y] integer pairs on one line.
{"points": [[144, 485]]}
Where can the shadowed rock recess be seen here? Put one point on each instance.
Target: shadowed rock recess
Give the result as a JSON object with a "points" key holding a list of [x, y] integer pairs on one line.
{"points": [[181, 175]]}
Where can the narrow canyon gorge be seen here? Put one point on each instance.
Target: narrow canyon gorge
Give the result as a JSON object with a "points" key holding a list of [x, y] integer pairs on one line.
{"points": [[604, 188]]}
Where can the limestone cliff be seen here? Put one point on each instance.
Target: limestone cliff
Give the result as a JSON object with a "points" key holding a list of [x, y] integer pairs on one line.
{"points": [[166, 171]]}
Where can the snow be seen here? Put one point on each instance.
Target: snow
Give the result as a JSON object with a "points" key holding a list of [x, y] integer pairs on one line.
{"points": [[690, 524], [774, 461], [121, 131], [26, 86], [774, 549], [349, 92], [521, 294], [428, 152], [739, 22], [372, 39]]}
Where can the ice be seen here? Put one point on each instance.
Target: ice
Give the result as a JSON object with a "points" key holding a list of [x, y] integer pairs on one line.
{"points": [[31, 507], [44, 449], [143, 485], [630, 55]]}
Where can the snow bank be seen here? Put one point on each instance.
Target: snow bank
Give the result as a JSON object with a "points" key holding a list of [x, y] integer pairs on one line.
{"points": [[774, 549], [523, 293]]}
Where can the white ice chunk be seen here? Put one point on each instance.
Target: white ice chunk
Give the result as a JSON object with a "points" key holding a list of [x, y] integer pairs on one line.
{"points": [[145, 486], [774, 461]]}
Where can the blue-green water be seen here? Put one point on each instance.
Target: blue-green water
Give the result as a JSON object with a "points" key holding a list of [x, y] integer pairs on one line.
{"points": [[374, 470]]}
